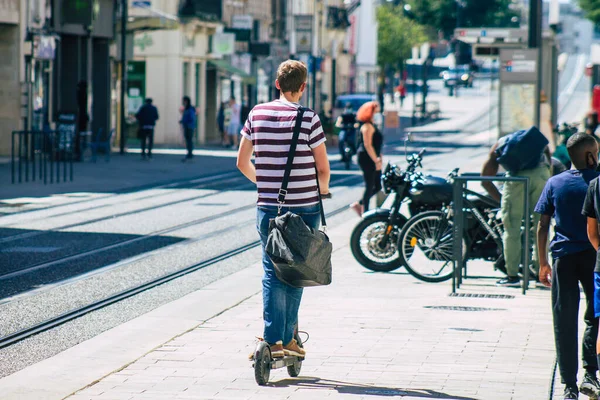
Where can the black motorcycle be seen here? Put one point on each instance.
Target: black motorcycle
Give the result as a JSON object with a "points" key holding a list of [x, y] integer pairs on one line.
{"points": [[374, 241], [426, 241]]}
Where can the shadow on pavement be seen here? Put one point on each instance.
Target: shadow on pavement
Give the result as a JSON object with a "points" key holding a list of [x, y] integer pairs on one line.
{"points": [[55, 256], [364, 390]]}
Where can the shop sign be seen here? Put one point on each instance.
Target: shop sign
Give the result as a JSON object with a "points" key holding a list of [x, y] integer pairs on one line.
{"points": [[143, 41], [141, 3], [242, 61], [223, 43], [241, 22], [44, 47], [304, 33]]}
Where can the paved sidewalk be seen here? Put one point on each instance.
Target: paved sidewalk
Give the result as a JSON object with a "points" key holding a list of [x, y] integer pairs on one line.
{"points": [[372, 336]]}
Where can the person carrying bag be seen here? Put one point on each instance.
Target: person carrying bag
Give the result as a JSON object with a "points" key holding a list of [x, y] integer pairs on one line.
{"points": [[291, 171], [301, 254]]}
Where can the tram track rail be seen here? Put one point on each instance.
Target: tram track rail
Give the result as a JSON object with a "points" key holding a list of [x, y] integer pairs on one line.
{"points": [[29, 235], [71, 315], [126, 242], [196, 183]]}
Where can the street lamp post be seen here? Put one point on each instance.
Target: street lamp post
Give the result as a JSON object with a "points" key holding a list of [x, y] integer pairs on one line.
{"points": [[535, 41], [123, 74]]}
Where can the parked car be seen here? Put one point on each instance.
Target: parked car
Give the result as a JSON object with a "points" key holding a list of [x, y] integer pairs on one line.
{"points": [[458, 76], [356, 99]]}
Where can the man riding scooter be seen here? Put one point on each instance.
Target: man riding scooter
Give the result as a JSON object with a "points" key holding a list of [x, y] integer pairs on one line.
{"points": [[347, 143]]}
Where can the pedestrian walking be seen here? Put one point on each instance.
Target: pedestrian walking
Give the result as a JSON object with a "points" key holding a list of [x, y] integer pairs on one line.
{"points": [[401, 90], [574, 259], [267, 133], [523, 153], [188, 123], [370, 142], [221, 123], [234, 127], [147, 116], [546, 122]]}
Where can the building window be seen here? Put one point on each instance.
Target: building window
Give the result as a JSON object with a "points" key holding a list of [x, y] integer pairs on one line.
{"points": [[197, 73], [186, 78]]}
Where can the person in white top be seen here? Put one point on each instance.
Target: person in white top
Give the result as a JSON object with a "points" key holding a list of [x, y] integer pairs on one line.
{"points": [[233, 129], [546, 121]]}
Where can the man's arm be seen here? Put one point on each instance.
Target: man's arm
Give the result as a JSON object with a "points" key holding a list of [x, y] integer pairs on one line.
{"points": [[542, 243], [244, 159], [322, 163], [592, 231], [490, 168]]}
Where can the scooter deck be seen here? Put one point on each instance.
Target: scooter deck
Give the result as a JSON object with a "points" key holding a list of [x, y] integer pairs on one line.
{"points": [[285, 361]]}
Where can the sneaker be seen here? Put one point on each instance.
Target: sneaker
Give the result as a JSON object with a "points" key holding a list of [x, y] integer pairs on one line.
{"points": [[292, 349], [509, 281], [277, 350], [590, 386], [571, 393]]}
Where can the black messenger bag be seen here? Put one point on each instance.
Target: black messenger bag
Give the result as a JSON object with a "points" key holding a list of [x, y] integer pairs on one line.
{"points": [[301, 255]]}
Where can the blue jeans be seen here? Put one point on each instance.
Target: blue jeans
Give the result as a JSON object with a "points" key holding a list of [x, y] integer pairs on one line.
{"points": [[281, 302]]}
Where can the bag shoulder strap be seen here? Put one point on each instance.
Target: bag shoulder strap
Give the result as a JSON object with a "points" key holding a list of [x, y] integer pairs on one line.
{"points": [[291, 155], [597, 201], [289, 164]]}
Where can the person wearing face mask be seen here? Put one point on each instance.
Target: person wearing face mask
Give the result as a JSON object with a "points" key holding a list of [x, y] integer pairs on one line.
{"points": [[574, 258]]}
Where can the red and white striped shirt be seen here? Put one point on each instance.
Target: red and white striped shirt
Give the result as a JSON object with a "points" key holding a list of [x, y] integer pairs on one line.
{"points": [[270, 127]]}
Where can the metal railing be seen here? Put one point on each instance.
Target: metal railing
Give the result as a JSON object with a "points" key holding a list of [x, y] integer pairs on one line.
{"points": [[459, 191], [42, 155]]}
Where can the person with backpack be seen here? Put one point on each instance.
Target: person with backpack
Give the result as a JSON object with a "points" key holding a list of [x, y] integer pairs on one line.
{"points": [[523, 153], [147, 116], [268, 133], [188, 122], [574, 259]]}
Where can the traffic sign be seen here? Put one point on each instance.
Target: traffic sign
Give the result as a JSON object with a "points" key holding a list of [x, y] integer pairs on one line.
{"points": [[475, 35], [518, 65]]}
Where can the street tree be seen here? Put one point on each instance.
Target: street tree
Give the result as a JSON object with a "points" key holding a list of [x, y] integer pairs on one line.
{"points": [[591, 9], [396, 35], [446, 15]]}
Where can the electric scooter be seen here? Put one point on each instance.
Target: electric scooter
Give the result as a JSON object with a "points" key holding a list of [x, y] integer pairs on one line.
{"points": [[263, 363]]}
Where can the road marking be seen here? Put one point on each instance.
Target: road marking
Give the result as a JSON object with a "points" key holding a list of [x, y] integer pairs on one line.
{"points": [[29, 249], [575, 78]]}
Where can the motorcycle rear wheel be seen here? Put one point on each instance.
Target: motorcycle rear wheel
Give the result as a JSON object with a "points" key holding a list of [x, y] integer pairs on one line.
{"points": [[425, 250], [365, 239]]}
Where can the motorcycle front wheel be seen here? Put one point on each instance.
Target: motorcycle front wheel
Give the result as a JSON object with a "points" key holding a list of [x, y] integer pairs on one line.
{"points": [[426, 247], [366, 243]]}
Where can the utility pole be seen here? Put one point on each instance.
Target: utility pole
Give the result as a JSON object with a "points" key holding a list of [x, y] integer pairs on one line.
{"points": [[124, 17], [535, 41]]}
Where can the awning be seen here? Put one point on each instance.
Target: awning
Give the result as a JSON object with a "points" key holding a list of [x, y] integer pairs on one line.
{"points": [[231, 70]]}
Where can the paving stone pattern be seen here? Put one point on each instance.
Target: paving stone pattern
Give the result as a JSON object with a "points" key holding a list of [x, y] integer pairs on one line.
{"points": [[371, 336]]}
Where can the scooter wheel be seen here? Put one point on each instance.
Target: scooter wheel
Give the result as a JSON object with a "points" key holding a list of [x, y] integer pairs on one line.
{"points": [[294, 369], [262, 364]]}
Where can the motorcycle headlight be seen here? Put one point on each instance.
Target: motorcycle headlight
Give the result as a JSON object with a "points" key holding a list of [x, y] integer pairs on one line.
{"points": [[464, 77]]}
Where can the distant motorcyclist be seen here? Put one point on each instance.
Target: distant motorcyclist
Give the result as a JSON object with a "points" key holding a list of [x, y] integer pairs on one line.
{"points": [[346, 122]]}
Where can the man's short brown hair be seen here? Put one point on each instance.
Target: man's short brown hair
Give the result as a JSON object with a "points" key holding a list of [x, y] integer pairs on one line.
{"points": [[291, 75]]}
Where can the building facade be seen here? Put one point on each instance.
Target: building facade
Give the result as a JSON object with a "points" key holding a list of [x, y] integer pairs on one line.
{"points": [[11, 70], [169, 63]]}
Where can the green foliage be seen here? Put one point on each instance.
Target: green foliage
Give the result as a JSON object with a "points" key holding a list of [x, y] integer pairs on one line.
{"points": [[396, 35], [591, 9], [444, 14]]}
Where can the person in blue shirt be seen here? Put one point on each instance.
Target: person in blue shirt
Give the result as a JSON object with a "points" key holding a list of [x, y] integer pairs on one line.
{"points": [[574, 258], [188, 122]]}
